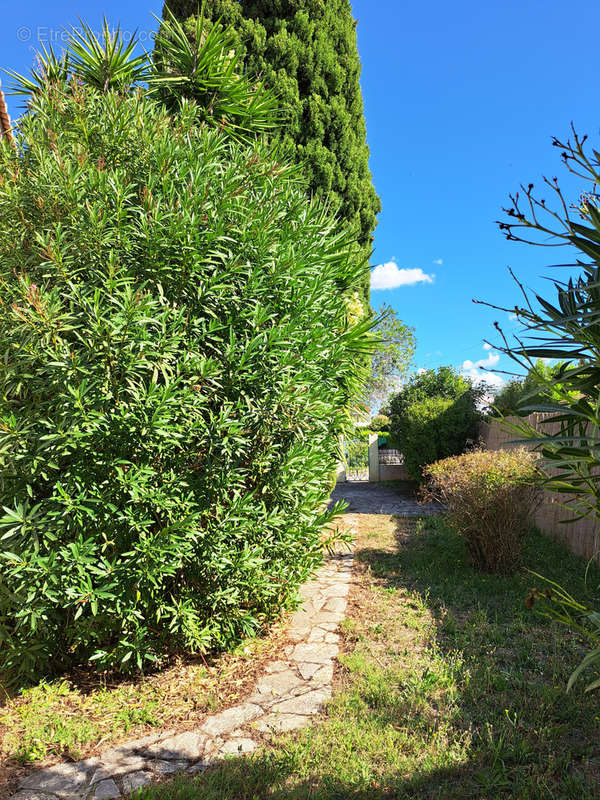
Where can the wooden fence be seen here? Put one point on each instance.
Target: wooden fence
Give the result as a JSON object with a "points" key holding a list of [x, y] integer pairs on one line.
{"points": [[581, 536]]}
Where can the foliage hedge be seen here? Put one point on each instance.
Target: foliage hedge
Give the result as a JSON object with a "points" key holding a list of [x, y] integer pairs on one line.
{"points": [[177, 361], [434, 416], [306, 52], [490, 496]]}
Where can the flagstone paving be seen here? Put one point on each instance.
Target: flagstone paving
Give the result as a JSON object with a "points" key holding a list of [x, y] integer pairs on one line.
{"points": [[292, 690]]}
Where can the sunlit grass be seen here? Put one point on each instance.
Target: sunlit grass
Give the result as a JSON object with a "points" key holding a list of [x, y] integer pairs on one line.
{"points": [[449, 688]]}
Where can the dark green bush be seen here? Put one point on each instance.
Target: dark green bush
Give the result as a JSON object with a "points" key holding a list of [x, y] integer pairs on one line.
{"points": [[443, 382], [177, 362], [436, 428], [380, 423], [490, 496], [434, 416]]}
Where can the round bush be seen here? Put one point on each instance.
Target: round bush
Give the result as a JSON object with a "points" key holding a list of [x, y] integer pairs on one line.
{"points": [[435, 415], [490, 496], [177, 361]]}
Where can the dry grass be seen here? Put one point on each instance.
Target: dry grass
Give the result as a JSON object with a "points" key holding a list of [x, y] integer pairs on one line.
{"points": [[81, 714]]}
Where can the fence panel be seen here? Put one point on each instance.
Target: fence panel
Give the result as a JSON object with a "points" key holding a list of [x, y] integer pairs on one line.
{"points": [[581, 536]]}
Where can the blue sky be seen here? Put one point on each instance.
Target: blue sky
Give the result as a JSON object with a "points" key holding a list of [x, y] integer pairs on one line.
{"points": [[461, 102]]}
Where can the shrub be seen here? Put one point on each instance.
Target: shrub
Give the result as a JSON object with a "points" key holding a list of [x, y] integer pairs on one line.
{"points": [[443, 382], [177, 362], [434, 416], [490, 496], [521, 395], [380, 423], [435, 428]]}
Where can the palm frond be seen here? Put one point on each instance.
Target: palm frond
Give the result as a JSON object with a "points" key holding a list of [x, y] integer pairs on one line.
{"points": [[106, 63], [50, 69], [200, 63]]}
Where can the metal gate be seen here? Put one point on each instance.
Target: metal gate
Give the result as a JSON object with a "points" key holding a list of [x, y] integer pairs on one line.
{"points": [[356, 454]]}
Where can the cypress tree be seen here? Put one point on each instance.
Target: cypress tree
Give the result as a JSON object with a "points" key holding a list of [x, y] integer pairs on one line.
{"points": [[306, 51]]}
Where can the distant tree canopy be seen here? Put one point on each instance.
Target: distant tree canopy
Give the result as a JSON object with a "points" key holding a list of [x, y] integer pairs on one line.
{"points": [[391, 359], [306, 51], [433, 416], [522, 395]]}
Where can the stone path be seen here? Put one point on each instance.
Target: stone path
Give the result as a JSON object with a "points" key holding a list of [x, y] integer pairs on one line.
{"points": [[376, 498], [291, 691]]}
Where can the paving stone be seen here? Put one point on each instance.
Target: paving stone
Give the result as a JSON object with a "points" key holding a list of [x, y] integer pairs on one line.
{"points": [[337, 590], [238, 746], [101, 774], [281, 723], [317, 603], [308, 703], [114, 763], [335, 604], [277, 666], [61, 779], [170, 767], [130, 748], [308, 589], [315, 653], [278, 684], [201, 766], [308, 670], [135, 780], [328, 616], [323, 675], [228, 720], [184, 746], [106, 790]]}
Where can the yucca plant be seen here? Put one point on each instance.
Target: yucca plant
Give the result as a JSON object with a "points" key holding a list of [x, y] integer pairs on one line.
{"points": [[200, 62], [50, 70], [196, 62], [106, 63]]}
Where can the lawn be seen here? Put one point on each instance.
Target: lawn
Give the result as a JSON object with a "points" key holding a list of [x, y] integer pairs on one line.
{"points": [[449, 687], [85, 713]]}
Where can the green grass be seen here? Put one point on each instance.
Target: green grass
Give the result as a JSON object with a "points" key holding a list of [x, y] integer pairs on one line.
{"points": [[450, 688], [80, 715]]}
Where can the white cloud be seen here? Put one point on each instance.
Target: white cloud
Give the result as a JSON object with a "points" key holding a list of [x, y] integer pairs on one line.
{"points": [[421, 371], [486, 363], [487, 346], [438, 261], [477, 370], [390, 276]]}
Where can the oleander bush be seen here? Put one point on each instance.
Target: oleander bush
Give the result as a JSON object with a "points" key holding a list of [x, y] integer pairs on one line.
{"points": [[490, 496], [177, 367]]}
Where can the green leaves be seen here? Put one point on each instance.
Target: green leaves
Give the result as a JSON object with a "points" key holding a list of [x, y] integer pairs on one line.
{"points": [[177, 364], [197, 64], [306, 53], [567, 430], [106, 63], [201, 64]]}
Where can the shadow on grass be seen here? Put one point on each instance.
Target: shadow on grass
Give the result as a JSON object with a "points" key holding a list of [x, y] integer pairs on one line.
{"points": [[478, 711], [262, 777]]}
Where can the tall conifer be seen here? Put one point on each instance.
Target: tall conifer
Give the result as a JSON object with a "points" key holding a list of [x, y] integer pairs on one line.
{"points": [[306, 51]]}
